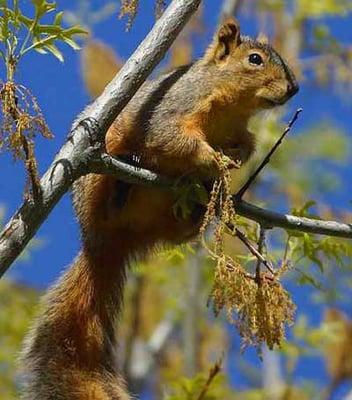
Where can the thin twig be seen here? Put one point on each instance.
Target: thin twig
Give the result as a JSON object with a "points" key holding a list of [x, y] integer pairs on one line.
{"points": [[243, 238], [214, 371], [266, 160], [261, 244]]}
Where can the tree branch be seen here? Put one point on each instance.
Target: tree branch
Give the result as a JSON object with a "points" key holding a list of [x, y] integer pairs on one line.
{"points": [[106, 164], [214, 371], [145, 354], [272, 219], [73, 158], [257, 253]]}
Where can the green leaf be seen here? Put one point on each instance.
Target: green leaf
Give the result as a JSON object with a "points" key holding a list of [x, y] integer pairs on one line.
{"points": [[43, 7], [55, 51], [28, 22], [306, 278], [72, 43], [40, 50], [189, 194], [75, 30], [304, 210], [49, 29], [58, 18]]}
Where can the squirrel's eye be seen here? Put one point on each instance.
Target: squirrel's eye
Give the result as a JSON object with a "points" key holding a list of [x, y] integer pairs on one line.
{"points": [[255, 58]]}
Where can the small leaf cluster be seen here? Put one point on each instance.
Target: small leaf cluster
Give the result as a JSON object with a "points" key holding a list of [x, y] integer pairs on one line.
{"points": [[189, 194], [20, 34], [302, 247]]}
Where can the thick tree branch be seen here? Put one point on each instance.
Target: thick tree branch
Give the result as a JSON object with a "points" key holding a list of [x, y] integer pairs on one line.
{"points": [[90, 128]]}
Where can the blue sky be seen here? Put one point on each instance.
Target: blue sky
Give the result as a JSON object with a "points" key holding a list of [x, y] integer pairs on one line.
{"points": [[61, 94]]}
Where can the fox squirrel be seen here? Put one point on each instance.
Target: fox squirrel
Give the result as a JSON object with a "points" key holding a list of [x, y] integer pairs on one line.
{"points": [[173, 126]]}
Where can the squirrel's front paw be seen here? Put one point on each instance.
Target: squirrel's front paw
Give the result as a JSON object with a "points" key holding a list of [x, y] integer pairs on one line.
{"points": [[238, 156], [206, 162], [229, 162]]}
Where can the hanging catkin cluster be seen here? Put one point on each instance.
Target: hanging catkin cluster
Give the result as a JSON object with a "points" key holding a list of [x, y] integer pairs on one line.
{"points": [[259, 308], [21, 121]]}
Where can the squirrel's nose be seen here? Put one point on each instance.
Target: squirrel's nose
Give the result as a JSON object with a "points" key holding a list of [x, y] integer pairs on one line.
{"points": [[292, 88]]}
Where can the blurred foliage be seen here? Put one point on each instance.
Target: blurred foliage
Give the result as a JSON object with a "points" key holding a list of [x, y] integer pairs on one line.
{"points": [[321, 8], [99, 64], [338, 346], [304, 168], [16, 312], [202, 387]]}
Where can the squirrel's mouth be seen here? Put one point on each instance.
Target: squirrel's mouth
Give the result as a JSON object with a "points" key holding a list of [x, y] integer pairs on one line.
{"points": [[270, 102], [274, 98], [276, 101]]}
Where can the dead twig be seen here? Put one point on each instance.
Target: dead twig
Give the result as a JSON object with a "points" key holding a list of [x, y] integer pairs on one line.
{"points": [[266, 160], [214, 371], [261, 245], [243, 238]]}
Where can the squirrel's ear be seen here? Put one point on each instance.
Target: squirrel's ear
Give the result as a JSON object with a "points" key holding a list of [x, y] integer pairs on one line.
{"points": [[262, 38], [227, 38]]}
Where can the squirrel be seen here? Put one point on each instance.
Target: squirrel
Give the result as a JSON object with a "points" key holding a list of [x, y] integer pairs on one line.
{"points": [[174, 125]]}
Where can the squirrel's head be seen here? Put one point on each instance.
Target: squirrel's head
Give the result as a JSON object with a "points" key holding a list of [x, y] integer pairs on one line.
{"points": [[263, 78]]}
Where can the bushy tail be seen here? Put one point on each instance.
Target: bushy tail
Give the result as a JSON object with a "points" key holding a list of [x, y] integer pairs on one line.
{"points": [[70, 352]]}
